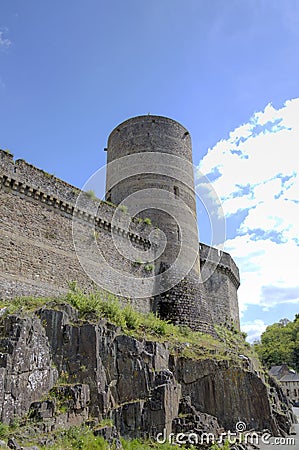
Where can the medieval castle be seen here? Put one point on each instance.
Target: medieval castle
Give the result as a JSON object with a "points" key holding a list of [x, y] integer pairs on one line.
{"points": [[140, 243]]}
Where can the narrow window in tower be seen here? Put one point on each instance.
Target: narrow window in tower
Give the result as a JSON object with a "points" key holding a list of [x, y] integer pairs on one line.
{"points": [[108, 196], [179, 234], [176, 191]]}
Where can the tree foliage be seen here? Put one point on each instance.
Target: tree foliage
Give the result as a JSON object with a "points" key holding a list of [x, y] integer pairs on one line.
{"points": [[280, 344]]}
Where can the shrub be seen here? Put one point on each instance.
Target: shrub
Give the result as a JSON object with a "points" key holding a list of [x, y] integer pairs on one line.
{"points": [[8, 152], [138, 262], [132, 318], [86, 304], [153, 323], [91, 194], [79, 438], [112, 311], [123, 208], [21, 304], [4, 430]]}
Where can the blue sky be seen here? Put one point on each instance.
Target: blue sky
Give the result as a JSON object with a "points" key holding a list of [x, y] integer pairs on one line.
{"points": [[71, 71]]}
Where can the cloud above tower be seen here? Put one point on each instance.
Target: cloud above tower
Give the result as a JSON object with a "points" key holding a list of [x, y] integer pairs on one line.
{"points": [[255, 172], [5, 43]]}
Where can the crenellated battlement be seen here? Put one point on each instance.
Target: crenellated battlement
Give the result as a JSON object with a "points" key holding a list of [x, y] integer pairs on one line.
{"points": [[35, 184], [222, 260]]}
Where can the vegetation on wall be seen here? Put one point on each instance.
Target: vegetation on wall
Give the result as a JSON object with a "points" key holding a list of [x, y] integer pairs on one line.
{"points": [[8, 152], [91, 194], [279, 344], [123, 208]]}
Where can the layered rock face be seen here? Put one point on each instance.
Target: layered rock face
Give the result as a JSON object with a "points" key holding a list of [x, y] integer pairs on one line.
{"points": [[137, 384], [26, 372]]}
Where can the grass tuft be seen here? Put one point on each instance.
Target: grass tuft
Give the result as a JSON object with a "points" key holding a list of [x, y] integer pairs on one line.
{"points": [[181, 340]]}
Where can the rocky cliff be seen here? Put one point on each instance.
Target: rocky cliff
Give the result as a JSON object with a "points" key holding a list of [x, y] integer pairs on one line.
{"points": [[58, 370]]}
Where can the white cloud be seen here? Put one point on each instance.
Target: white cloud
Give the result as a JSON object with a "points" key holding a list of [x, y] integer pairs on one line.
{"points": [[266, 268], [257, 172], [254, 329], [4, 42]]}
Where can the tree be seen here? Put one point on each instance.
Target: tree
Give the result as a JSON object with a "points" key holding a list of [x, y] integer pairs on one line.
{"points": [[280, 344]]}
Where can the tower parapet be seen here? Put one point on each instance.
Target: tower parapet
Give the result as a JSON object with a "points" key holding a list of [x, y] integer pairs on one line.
{"points": [[221, 283]]}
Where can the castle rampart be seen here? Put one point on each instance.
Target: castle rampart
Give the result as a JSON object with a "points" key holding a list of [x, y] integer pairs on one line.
{"points": [[37, 255]]}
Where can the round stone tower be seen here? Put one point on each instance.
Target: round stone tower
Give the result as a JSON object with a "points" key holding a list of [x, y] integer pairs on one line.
{"points": [[150, 171]]}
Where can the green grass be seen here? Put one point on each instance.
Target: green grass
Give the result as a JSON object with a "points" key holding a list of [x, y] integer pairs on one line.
{"points": [[48, 175], [81, 438], [138, 219], [8, 152], [4, 430], [138, 262], [91, 194], [182, 341], [123, 208], [137, 444], [25, 304], [225, 446], [104, 423], [109, 203]]}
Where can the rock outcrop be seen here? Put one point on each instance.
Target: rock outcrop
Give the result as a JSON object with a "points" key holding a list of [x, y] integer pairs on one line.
{"points": [[26, 371], [62, 371]]}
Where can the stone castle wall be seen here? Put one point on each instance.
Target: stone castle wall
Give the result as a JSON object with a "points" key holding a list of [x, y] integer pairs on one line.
{"points": [[37, 255], [221, 281]]}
